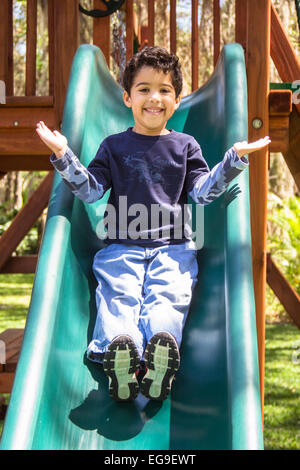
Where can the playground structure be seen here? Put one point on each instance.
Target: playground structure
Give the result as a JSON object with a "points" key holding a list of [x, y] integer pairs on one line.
{"points": [[270, 112]]}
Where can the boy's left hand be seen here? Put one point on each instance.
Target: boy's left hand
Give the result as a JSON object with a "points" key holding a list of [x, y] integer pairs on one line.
{"points": [[243, 148]]}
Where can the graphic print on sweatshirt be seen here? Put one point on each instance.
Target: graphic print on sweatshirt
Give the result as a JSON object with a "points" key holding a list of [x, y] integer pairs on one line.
{"points": [[144, 171]]}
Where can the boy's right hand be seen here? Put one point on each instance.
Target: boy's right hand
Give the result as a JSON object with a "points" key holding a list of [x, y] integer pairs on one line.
{"points": [[54, 140]]}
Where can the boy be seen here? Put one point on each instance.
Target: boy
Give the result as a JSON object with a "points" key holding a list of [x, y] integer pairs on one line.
{"points": [[147, 271]]}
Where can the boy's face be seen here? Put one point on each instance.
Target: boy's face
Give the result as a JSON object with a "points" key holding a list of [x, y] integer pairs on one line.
{"points": [[153, 101]]}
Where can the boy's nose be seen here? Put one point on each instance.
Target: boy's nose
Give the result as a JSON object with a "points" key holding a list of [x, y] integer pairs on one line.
{"points": [[154, 96]]}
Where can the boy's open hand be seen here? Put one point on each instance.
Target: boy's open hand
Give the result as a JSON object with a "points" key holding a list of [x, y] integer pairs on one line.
{"points": [[54, 140], [243, 148]]}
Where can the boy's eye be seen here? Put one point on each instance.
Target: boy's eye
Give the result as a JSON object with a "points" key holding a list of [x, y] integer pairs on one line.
{"points": [[165, 90], [144, 90]]}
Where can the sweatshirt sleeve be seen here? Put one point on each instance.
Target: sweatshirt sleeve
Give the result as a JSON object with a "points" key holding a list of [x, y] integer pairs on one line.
{"points": [[210, 184], [88, 184]]}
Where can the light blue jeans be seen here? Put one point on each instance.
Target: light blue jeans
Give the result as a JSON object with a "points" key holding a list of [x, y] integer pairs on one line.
{"points": [[141, 292]]}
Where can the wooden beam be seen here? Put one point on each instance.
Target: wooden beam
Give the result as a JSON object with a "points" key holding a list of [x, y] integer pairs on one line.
{"points": [[25, 219], [21, 162], [217, 20], [283, 290], [280, 102], [258, 65], [151, 17], [51, 46], [24, 118], [280, 108], [173, 27], [195, 46], [279, 133], [31, 39], [20, 141], [101, 31], [65, 17], [20, 264], [4, 36], [292, 154], [282, 51], [6, 381], [129, 29], [28, 101], [241, 22]]}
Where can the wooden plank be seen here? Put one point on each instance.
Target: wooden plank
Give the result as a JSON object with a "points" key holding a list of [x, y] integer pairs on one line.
{"points": [[25, 219], [6, 381], [65, 45], [20, 141], [280, 107], [31, 39], [173, 26], [20, 264], [195, 46], [101, 31], [10, 52], [292, 155], [12, 352], [51, 46], [17, 118], [279, 133], [25, 162], [258, 65], [129, 29], [151, 19], [28, 102], [11, 334], [280, 102], [282, 51], [4, 41], [217, 20], [241, 22], [283, 290]]}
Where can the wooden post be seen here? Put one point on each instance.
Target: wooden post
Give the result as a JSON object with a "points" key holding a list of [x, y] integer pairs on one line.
{"points": [[151, 16], [217, 19], [282, 52], [101, 31], [258, 67], [129, 29], [65, 19], [195, 46], [31, 38], [241, 22], [173, 26], [6, 46]]}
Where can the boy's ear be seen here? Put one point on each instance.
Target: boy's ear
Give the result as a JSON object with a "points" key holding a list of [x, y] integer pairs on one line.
{"points": [[127, 99], [177, 102]]}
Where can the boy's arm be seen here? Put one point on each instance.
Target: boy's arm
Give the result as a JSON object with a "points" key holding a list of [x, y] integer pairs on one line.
{"points": [[82, 182], [211, 184]]}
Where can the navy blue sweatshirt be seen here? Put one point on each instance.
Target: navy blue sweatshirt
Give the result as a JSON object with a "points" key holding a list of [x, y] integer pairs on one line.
{"points": [[150, 178]]}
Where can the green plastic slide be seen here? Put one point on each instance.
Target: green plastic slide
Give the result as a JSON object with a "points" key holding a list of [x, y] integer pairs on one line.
{"points": [[60, 399]]}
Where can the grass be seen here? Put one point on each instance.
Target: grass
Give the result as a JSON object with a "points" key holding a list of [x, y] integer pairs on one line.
{"points": [[282, 387], [282, 365], [15, 292]]}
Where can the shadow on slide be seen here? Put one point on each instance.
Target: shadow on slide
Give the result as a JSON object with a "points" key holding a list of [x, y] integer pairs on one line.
{"points": [[59, 399]]}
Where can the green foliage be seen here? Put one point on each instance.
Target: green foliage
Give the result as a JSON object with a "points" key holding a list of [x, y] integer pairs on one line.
{"points": [[284, 236], [29, 245]]}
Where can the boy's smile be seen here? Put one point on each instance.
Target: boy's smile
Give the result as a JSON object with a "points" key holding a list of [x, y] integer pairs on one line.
{"points": [[153, 101]]}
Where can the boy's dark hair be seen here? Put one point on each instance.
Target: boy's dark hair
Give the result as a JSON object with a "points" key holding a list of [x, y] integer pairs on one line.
{"points": [[158, 58]]}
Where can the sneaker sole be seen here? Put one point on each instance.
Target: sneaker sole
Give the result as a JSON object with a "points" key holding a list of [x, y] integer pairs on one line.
{"points": [[120, 364], [162, 362]]}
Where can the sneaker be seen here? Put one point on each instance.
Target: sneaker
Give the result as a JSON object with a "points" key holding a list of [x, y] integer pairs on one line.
{"points": [[162, 362], [120, 364]]}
